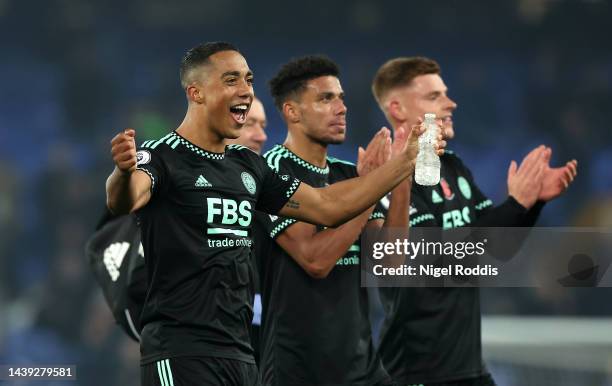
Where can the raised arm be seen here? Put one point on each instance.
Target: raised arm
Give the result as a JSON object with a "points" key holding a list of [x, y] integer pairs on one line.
{"points": [[399, 206], [398, 214], [337, 203], [127, 189], [318, 251]]}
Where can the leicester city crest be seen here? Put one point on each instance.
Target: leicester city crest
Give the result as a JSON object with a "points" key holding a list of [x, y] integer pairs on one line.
{"points": [[249, 182]]}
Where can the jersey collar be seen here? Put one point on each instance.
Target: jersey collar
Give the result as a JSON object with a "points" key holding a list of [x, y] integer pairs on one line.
{"points": [[305, 164], [196, 149]]}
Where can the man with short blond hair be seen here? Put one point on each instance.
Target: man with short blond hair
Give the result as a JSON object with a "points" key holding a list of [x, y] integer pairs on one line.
{"points": [[431, 336]]}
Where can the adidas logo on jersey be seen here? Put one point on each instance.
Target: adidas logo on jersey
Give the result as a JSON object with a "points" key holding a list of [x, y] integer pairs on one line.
{"points": [[202, 182], [113, 257]]}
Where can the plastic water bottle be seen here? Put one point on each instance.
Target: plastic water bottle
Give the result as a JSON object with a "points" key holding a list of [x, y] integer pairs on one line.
{"points": [[427, 170]]}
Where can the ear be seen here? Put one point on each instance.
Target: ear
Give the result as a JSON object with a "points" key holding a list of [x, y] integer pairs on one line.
{"points": [[291, 112], [194, 94], [396, 111]]}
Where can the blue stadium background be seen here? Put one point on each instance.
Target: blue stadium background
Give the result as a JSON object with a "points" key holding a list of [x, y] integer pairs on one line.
{"points": [[73, 72]]}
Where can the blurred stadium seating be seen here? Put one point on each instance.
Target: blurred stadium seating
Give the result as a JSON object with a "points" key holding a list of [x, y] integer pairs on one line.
{"points": [[72, 72]]}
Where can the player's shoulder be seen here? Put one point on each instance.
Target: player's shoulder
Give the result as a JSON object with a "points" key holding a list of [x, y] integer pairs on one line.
{"points": [[280, 158], [277, 152], [450, 157], [236, 150], [275, 156], [245, 159], [240, 149], [166, 144], [343, 166], [161, 148], [341, 163]]}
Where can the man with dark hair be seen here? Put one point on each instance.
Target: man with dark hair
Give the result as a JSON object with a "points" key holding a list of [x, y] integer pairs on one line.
{"points": [[195, 199], [431, 336], [315, 323], [117, 257], [198, 56]]}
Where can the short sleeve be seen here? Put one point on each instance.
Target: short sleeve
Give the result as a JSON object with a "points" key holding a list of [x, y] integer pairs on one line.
{"points": [[380, 210], [275, 225], [150, 162], [276, 191]]}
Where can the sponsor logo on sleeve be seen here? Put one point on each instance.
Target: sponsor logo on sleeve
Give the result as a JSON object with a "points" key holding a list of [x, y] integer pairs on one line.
{"points": [[143, 157]]}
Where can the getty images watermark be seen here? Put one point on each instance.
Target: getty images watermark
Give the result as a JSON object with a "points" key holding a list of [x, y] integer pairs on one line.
{"points": [[487, 257], [412, 249]]}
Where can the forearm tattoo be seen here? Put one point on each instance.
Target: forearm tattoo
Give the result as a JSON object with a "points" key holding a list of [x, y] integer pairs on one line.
{"points": [[293, 204]]}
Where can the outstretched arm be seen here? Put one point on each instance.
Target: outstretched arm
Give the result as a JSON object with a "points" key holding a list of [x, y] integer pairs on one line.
{"points": [[337, 203], [318, 251], [127, 189], [530, 186]]}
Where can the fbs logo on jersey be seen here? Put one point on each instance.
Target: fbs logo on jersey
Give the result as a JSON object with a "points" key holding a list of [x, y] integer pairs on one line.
{"points": [[113, 257], [249, 182], [202, 182], [448, 193]]}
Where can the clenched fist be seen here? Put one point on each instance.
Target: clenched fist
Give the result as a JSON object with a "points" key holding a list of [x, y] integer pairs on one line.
{"points": [[123, 150]]}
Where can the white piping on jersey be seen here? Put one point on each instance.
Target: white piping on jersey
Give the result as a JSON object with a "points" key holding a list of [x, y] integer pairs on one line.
{"points": [[156, 144], [484, 204], [197, 150], [337, 160], [282, 226], [376, 216], [293, 187], [150, 176], [421, 218], [131, 324], [274, 156], [173, 140]]}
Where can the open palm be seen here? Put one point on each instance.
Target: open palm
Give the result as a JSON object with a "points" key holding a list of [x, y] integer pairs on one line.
{"points": [[557, 180]]}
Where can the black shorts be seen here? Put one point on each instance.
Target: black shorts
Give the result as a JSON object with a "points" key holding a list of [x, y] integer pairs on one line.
{"points": [[201, 371]]}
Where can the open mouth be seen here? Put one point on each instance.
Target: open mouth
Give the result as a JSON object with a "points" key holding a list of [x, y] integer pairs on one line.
{"points": [[239, 112]]}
